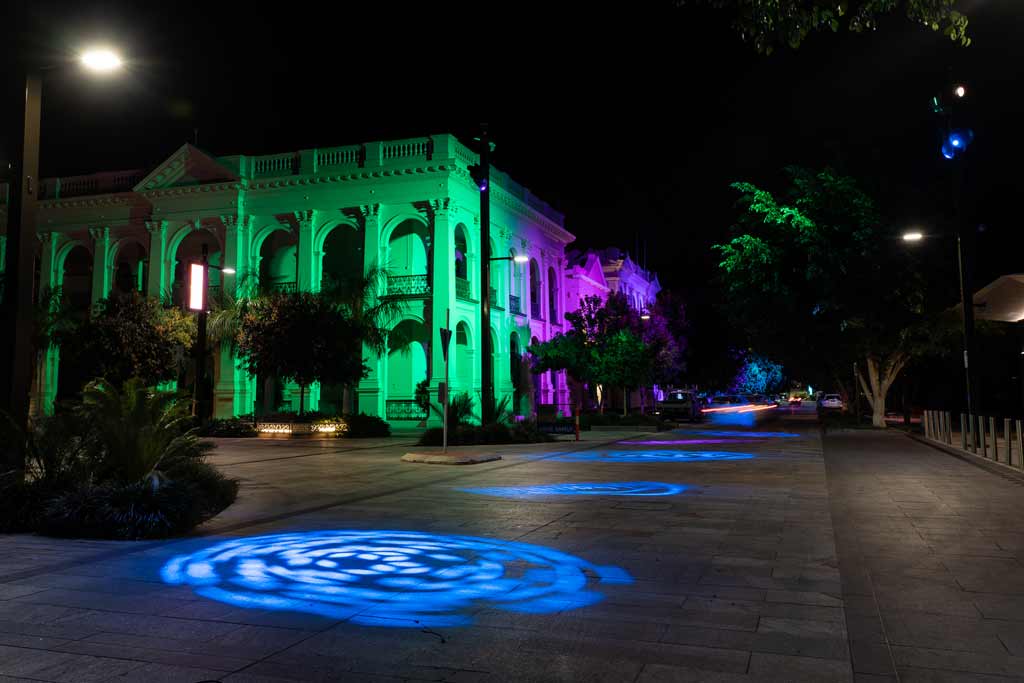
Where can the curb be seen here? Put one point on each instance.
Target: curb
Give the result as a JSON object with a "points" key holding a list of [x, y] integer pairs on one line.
{"points": [[449, 459], [997, 468]]}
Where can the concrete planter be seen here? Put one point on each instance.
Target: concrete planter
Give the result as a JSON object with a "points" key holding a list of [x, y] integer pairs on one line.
{"points": [[301, 430]]}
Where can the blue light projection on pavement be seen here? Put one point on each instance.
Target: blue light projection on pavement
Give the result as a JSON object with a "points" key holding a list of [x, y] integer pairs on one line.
{"points": [[622, 488], [390, 578], [649, 456], [737, 433]]}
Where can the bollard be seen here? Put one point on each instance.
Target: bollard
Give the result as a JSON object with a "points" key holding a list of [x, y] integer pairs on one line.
{"points": [[971, 442], [963, 432], [981, 437], [1020, 443], [1009, 443], [949, 428], [993, 438], [927, 424]]}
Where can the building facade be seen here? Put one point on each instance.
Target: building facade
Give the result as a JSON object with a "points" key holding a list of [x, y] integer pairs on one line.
{"points": [[292, 220]]}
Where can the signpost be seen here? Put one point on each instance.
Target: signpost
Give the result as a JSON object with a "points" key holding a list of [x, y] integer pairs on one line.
{"points": [[442, 390]]}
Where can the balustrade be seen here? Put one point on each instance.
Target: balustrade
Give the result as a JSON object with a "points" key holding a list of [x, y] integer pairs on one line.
{"points": [[515, 304], [404, 410], [462, 289], [408, 286]]}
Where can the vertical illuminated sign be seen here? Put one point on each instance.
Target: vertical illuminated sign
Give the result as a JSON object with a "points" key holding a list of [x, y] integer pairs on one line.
{"points": [[196, 287]]}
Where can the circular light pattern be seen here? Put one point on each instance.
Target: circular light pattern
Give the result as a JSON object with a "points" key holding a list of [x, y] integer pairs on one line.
{"points": [[390, 578], [685, 442], [623, 488], [650, 456]]}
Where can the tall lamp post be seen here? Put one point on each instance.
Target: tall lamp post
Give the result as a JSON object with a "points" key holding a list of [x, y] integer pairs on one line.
{"points": [[16, 372], [198, 281], [954, 143]]}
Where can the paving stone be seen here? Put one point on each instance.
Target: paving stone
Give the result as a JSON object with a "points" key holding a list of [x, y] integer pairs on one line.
{"points": [[769, 667]]}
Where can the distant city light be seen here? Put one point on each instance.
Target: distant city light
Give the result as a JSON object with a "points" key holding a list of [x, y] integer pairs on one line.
{"points": [[913, 236], [195, 286], [101, 60]]}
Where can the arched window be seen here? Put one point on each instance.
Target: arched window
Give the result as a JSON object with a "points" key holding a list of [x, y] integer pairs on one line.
{"points": [[461, 253], [535, 310], [552, 296], [463, 357]]}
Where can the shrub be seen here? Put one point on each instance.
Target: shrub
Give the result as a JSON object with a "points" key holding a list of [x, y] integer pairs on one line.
{"points": [[234, 427], [363, 426], [495, 433]]}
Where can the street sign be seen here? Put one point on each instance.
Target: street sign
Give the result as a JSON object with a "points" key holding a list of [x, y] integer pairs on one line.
{"points": [[446, 337]]}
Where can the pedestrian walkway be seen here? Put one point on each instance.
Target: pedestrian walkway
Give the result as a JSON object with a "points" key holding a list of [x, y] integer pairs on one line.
{"points": [[930, 550]]}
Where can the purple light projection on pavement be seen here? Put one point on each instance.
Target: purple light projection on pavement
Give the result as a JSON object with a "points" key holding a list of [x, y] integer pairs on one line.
{"points": [[686, 442]]}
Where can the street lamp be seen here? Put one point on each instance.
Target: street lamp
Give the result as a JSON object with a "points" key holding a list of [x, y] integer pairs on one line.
{"points": [[913, 236], [17, 361], [198, 281], [101, 60]]}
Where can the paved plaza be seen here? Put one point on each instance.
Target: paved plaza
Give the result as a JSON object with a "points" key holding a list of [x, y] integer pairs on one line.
{"points": [[694, 555]]}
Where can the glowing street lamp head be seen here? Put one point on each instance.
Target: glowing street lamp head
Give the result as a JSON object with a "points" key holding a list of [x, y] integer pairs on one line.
{"points": [[101, 60], [913, 236], [196, 287], [228, 271], [645, 316], [960, 91], [521, 258]]}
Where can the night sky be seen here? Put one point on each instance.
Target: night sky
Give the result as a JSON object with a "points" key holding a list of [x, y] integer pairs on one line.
{"points": [[631, 120]]}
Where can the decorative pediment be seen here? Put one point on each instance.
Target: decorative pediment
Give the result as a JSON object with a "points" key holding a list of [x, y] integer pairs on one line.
{"points": [[187, 166]]}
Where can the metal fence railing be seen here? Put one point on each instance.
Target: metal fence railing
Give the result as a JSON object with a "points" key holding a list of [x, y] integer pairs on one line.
{"points": [[1000, 441]]}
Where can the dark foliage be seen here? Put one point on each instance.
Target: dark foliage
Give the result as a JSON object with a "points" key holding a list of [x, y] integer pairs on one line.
{"points": [[137, 511], [363, 426], [230, 427], [495, 433]]}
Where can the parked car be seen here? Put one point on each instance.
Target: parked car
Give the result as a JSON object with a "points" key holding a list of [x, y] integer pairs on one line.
{"points": [[830, 402], [681, 405]]}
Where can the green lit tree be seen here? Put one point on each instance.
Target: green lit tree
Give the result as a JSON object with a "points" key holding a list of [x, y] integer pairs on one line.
{"points": [[788, 22], [302, 337], [127, 336], [815, 283]]}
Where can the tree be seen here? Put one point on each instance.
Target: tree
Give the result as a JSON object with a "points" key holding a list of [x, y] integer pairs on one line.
{"points": [[789, 22], [609, 344], [128, 335], [815, 282], [757, 375], [302, 337]]}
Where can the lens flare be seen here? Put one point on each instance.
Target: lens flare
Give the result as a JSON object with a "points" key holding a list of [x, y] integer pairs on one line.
{"points": [[391, 578], [624, 488]]}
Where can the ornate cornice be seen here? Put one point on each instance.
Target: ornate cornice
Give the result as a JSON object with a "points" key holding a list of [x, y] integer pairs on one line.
{"points": [[191, 189], [99, 233]]}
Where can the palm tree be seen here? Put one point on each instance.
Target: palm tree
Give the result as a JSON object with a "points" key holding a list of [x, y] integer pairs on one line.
{"points": [[364, 298]]}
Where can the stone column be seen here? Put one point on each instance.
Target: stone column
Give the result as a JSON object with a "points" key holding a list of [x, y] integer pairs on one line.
{"points": [[370, 389], [100, 264], [44, 383], [157, 259], [304, 249]]}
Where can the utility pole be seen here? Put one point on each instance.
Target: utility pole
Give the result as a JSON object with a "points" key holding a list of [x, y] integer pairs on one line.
{"points": [[23, 189], [486, 368]]}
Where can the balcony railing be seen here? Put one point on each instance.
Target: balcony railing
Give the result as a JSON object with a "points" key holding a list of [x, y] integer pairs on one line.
{"points": [[494, 300], [408, 286], [462, 289], [282, 287], [404, 410], [515, 304]]}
